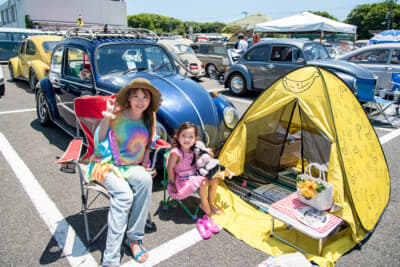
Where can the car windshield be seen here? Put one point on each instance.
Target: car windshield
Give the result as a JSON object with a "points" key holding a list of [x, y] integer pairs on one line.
{"points": [[115, 58], [182, 48], [315, 52], [49, 45]]}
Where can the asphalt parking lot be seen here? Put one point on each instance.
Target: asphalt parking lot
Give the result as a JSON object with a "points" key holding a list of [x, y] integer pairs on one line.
{"points": [[41, 223]]}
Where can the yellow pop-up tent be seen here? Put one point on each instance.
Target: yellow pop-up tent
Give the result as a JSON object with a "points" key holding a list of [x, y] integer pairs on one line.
{"points": [[316, 105]]}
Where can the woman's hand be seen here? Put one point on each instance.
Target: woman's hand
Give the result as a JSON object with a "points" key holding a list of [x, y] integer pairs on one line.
{"points": [[152, 172], [111, 107]]}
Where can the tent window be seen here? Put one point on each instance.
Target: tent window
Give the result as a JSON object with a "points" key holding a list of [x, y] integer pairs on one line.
{"points": [[395, 57]]}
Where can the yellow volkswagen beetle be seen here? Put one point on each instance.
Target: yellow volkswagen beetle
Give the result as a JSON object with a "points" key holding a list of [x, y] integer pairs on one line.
{"points": [[32, 62]]}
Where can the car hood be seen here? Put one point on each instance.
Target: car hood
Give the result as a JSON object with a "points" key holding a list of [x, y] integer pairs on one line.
{"points": [[343, 66], [183, 100]]}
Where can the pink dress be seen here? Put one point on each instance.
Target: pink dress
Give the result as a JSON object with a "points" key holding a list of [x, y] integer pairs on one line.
{"points": [[186, 179]]}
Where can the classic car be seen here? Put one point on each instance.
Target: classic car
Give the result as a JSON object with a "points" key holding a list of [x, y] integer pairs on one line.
{"points": [[2, 84], [216, 57], [380, 59], [32, 62], [187, 61], [95, 63], [268, 60]]}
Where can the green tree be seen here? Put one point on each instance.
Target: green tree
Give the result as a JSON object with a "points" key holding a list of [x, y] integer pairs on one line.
{"points": [[373, 17], [232, 29], [28, 22]]}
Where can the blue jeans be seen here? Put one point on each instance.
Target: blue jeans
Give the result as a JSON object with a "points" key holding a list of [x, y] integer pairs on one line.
{"points": [[126, 195]]}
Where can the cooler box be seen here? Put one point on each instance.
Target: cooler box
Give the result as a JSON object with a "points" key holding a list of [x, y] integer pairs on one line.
{"points": [[268, 151]]}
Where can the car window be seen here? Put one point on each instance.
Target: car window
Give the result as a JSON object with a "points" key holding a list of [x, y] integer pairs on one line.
{"points": [[203, 49], [314, 51], [283, 53], [56, 61], [48, 46], [30, 48], [219, 50], [395, 59], [116, 58], [372, 56], [22, 48], [77, 64], [257, 54]]}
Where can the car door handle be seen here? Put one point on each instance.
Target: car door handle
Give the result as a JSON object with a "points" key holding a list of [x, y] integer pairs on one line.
{"points": [[270, 66]]}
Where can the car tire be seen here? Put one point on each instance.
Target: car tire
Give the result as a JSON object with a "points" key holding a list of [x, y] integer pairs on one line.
{"points": [[42, 109], [211, 71], [32, 79], [11, 70], [237, 84]]}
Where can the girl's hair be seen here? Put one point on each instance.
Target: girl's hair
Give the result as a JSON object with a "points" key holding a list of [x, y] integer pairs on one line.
{"points": [[149, 116]]}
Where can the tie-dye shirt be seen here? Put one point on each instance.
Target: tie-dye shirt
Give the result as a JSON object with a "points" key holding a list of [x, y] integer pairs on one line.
{"points": [[132, 138]]}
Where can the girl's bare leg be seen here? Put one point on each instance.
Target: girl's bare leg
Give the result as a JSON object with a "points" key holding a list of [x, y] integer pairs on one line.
{"points": [[203, 197], [212, 189]]}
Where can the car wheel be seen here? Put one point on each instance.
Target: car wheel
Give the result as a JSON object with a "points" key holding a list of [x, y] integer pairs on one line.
{"points": [[237, 84], [11, 70], [211, 71], [42, 109], [32, 79]]}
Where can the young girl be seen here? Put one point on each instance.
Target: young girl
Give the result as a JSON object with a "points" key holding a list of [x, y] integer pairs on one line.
{"points": [[182, 173], [122, 146]]}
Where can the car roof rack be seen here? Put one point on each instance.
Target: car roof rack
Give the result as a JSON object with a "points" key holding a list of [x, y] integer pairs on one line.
{"points": [[91, 34]]}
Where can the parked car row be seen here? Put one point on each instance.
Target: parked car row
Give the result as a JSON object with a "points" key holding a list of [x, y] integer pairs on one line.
{"points": [[268, 60]]}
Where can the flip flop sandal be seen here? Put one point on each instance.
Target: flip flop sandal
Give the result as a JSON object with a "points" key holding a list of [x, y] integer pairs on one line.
{"points": [[143, 250]]}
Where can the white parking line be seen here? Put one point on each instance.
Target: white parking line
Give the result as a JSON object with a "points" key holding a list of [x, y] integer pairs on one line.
{"points": [[73, 248], [169, 249], [386, 138], [17, 111]]}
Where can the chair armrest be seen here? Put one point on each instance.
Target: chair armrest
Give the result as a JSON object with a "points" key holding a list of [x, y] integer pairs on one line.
{"points": [[72, 153]]}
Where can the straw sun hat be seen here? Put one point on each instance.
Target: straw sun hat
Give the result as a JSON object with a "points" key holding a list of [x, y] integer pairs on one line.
{"points": [[141, 83]]}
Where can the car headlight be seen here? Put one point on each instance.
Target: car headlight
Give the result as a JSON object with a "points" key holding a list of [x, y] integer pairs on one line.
{"points": [[230, 117], [161, 131]]}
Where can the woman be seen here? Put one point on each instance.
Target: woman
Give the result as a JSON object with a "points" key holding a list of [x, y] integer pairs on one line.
{"points": [[122, 148]]}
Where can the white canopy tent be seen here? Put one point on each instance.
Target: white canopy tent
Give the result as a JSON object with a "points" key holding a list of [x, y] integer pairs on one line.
{"points": [[305, 22]]}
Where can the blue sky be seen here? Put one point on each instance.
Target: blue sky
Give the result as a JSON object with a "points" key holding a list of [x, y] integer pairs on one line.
{"points": [[230, 10]]}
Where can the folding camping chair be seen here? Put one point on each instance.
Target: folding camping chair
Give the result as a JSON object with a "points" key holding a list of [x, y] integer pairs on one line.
{"points": [[168, 201], [374, 105], [88, 113]]}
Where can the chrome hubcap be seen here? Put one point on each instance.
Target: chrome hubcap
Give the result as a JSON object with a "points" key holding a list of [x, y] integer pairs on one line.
{"points": [[237, 84], [42, 106]]}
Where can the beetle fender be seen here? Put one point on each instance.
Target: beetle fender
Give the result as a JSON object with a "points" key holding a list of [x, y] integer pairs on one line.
{"points": [[238, 68], [45, 85], [39, 68]]}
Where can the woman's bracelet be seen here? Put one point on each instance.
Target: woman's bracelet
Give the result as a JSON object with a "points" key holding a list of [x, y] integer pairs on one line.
{"points": [[108, 114]]}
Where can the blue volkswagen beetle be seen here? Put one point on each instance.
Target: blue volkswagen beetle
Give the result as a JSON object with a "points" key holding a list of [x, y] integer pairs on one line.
{"points": [[95, 63]]}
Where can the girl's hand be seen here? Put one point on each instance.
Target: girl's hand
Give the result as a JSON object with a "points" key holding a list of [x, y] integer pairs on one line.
{"points": [[173, 188]]}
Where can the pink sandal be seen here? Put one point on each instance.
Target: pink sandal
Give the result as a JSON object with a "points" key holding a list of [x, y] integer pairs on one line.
{"points": [[210, 224], [204, 232]]}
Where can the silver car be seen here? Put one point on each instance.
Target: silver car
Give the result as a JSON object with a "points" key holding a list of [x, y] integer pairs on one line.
{"points": [[381, 60]]}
